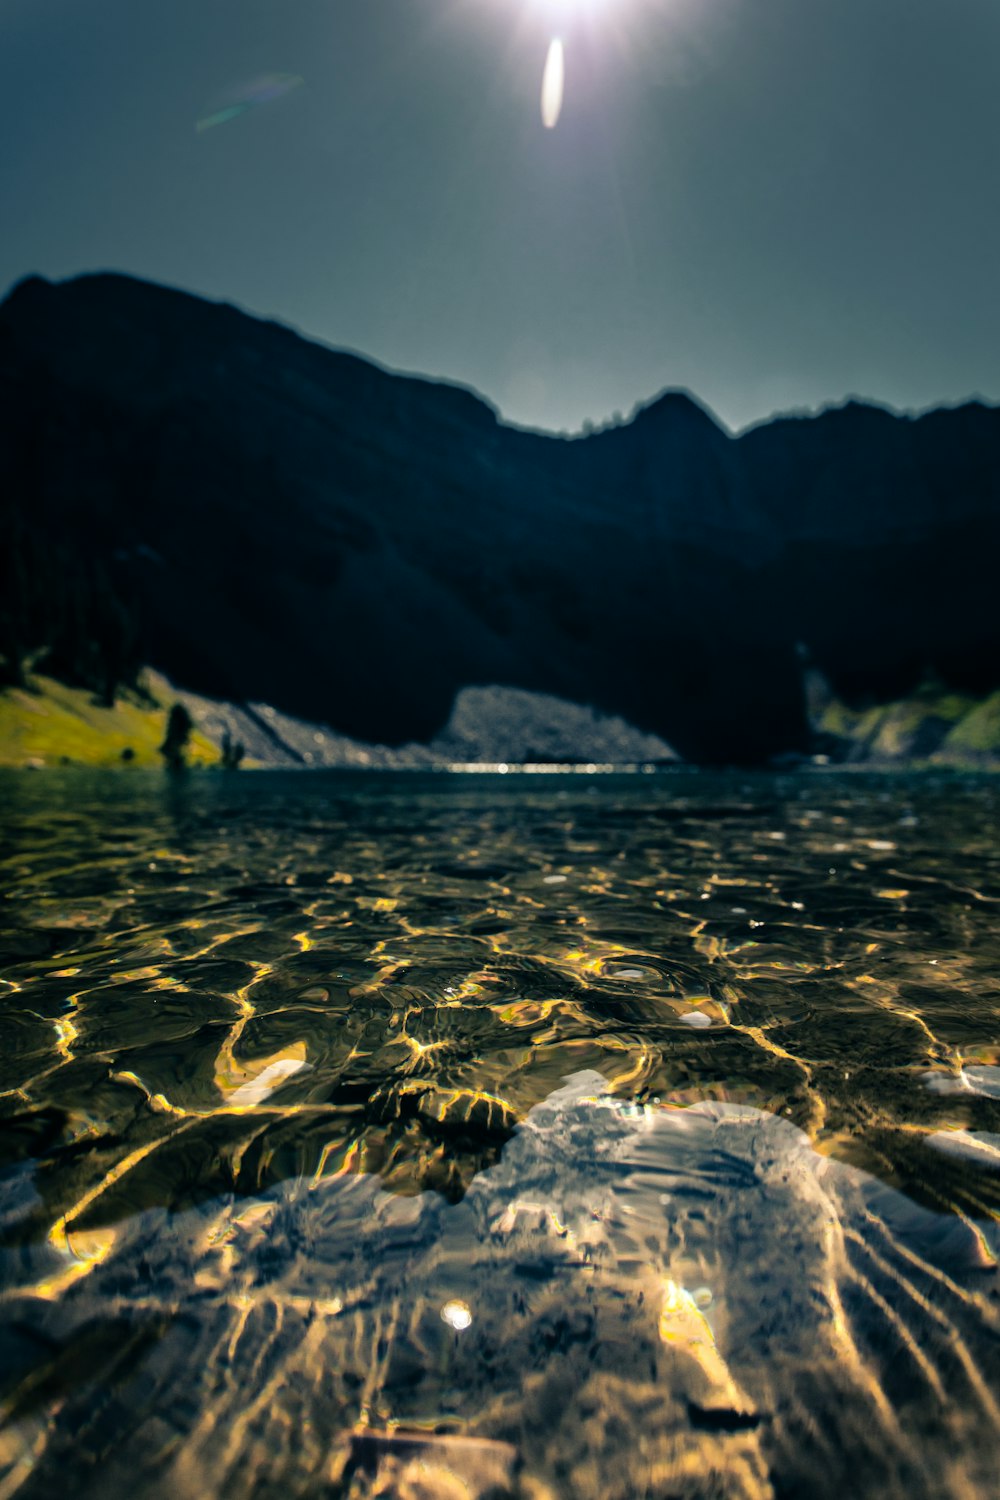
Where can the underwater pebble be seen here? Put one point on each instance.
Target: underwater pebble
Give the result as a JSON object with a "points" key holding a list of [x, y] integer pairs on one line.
{"points": [[456, 1315], [695, 1018]]}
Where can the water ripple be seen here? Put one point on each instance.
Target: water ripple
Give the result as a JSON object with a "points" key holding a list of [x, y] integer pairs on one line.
{"points": [[282, 1076]]}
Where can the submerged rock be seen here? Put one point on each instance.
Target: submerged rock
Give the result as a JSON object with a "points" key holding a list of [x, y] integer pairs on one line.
{"points": [[658, 1301]]}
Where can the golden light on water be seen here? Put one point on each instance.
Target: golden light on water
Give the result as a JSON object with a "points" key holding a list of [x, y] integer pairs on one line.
{"points": [[553, 80], [429, 1090]]}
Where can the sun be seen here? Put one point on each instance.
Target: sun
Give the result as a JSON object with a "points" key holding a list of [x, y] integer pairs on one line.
{"points": [[568, 8], [566, 22], [563, 18]]}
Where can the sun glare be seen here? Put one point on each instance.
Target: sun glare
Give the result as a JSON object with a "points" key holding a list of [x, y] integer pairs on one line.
{"points": [[553, 80], [558, 11]]}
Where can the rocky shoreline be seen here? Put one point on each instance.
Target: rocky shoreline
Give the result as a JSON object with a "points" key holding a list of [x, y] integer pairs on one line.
{"points": [[52, 725]]}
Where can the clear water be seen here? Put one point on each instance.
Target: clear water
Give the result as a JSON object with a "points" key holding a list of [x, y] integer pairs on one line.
{"points": [[647, 1125]]}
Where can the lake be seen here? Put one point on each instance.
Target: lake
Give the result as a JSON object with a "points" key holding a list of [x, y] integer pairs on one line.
{"points": [[645, 1128]]}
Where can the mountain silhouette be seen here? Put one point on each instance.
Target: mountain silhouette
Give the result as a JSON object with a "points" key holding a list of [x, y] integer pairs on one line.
{"points": [[264, 518]]}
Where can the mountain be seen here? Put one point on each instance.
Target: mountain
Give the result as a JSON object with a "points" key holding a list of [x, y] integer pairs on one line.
{"points": [[265, 519]]}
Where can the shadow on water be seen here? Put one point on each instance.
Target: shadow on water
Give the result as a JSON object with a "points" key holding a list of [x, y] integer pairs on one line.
{"points": [[681, 1092]]}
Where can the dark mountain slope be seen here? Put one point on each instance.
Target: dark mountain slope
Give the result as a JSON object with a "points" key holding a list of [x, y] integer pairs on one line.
{"points": [[268, 519], [891, 540]]}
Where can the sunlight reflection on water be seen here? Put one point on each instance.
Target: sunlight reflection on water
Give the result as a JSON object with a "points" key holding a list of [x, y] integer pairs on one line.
{"points": [[289, 1150]]}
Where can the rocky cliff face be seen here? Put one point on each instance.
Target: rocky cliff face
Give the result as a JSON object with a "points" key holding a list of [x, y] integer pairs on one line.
{"points": [[275, 521]]}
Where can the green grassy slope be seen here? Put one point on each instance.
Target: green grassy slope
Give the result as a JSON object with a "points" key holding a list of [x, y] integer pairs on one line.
{"points": [[931, 726], [977, 735], [50, 724]]}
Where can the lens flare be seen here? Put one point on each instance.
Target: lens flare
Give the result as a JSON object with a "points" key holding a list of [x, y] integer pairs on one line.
{"points": [[252, 95], [553, 80]]}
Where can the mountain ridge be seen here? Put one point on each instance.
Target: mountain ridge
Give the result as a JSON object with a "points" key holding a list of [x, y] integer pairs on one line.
{"points": [[283, 522]]}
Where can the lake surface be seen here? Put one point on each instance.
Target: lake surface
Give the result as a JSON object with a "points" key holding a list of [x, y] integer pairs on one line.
{"points": [[646, 1127]]}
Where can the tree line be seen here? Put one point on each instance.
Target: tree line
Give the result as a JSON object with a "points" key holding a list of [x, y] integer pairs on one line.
{"points": [[63, 614]]}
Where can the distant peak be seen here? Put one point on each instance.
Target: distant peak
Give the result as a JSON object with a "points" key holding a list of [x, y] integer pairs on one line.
{"points": [[676, 408], [27, 290]]}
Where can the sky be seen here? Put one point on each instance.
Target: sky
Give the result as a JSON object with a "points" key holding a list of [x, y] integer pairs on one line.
{"points": [[772, 203]]}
